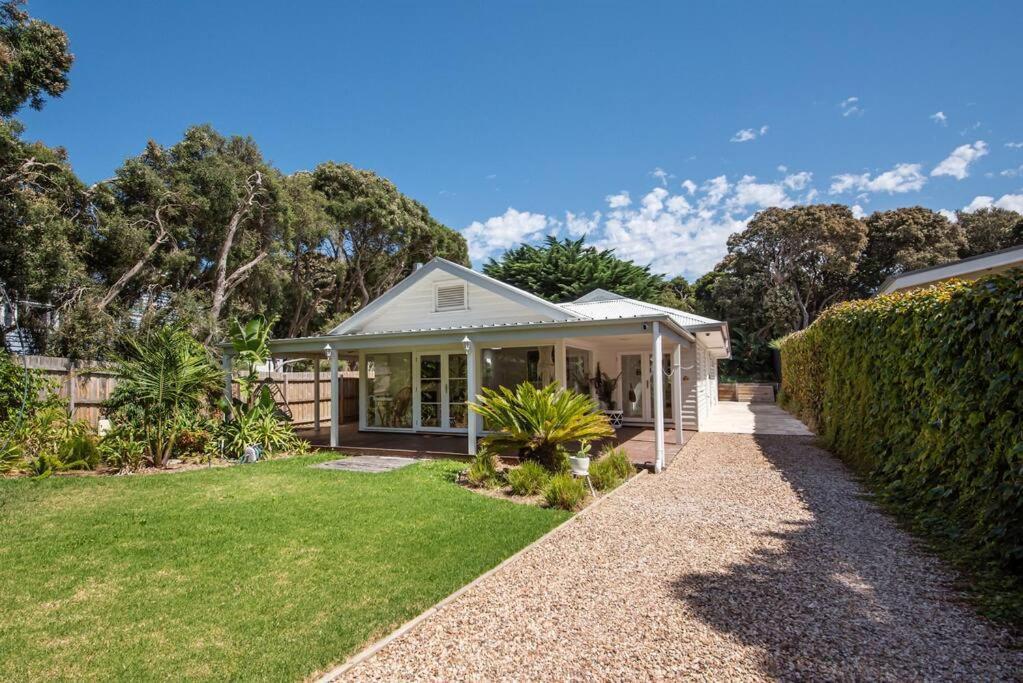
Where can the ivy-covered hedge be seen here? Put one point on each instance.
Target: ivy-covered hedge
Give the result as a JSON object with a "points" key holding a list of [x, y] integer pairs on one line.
{"points": [[922, 393]]}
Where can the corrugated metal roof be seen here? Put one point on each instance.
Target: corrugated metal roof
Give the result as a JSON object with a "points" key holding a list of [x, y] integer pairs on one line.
{"points": [[617, 306]]}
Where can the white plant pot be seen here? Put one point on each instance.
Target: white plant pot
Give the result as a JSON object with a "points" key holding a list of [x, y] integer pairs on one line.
{"points": [[580, 466]]}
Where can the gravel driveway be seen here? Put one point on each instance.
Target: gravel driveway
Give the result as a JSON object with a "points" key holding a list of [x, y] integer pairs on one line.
{"points": [[751, 558]]}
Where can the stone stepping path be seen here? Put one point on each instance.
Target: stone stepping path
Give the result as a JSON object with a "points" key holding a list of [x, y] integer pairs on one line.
{"points": [[367, 463]]}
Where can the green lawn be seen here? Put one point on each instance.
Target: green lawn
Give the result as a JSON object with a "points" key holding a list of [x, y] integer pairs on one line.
{"points": [[267, 571]]}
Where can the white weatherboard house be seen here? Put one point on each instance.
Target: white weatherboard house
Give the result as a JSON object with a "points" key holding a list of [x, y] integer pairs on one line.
{"points": [[445, 331]]}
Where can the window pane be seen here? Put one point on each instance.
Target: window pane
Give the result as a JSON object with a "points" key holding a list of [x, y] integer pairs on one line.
{"points": [[577, 363], [430, 391], [457, 390], [431, 415], [429, 367], [457, 365], [389, 390], [458, 413]]}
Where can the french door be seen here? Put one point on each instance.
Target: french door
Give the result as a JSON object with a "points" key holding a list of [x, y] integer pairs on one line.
{"points": [[441, 390], [636, 386]]}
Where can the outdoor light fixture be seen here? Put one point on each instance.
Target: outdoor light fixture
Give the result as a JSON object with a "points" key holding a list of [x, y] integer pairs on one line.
{"points": [[467, 343]]}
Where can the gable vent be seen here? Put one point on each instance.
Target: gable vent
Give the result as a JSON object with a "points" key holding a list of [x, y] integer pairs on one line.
{"points": [[449, 298]]}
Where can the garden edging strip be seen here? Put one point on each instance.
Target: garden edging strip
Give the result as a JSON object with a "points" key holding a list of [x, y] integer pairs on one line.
{"points": [[378, 645]]}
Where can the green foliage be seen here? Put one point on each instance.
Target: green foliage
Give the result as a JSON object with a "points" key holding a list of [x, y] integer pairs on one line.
{"points": [[563, 270], [989, 229], [540, 422], [604, 475], [565, 492], [604, 386], [920, 392], [618, 460], [36, 59], [905, 239], [19, 388], [122, 451], [259, 425], [163, 376], [528, 479], [81, 450], [255, 418], [482, 473]]}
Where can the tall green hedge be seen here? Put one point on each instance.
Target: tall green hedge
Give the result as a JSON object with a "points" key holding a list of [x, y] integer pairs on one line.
{"points": [[922, 393]]}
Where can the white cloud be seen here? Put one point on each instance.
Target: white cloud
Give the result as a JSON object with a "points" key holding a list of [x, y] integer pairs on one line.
{"points": [[579, 225], [950, 215], [661, 175], [797, 181], [747, 134], [1014, 145], [902, 178], [857, 211], [748, 192], [979, 202], [618, 201], [782, 168], [957, 164], [689, 186], [939, 118], [850, 107], [1011, 202], [715, 189], [499, 233]]}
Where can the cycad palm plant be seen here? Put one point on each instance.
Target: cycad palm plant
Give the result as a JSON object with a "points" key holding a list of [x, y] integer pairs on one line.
{"points": [[539, 422], [164, 375]]}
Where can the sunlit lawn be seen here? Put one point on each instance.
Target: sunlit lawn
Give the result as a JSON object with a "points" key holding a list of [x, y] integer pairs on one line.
{"points": [[266, 571]]}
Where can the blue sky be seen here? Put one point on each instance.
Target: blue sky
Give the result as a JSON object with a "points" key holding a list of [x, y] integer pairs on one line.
{"points": [[653, 128]]}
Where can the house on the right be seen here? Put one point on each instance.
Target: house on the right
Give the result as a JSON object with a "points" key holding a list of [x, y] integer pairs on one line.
{"points": [[970, 268]]}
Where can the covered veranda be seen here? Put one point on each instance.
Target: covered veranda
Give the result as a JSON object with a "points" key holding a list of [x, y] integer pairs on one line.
{"points": [[647, 439], [638, 442]]}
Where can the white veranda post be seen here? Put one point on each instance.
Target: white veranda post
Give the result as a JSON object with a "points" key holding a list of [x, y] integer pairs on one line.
{"points": [[316, 394], [676, 392], [470, 380], [335, 398], [657, 392]]}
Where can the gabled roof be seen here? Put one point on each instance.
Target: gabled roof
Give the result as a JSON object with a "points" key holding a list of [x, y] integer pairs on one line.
{"points": [[974, 266], [541, 306]]}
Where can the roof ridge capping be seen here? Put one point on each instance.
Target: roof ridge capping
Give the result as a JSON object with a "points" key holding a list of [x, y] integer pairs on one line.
{"points": [[597, 294]]}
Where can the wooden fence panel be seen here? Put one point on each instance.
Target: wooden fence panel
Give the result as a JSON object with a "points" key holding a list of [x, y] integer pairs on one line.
{"points": [[86, 384], [746, 392]]}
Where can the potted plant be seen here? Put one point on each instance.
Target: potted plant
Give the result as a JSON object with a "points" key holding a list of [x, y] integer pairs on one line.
{"points": [[580, 462], [604, 386]]}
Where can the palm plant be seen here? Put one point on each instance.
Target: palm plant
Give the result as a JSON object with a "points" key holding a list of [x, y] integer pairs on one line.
{"points": [[164, 375], [540, 422]]}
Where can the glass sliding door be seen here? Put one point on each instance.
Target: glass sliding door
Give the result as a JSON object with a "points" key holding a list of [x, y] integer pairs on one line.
{"points": [[430, 393], [633, 385], [389, 390], [577, 367], [457, 391]]}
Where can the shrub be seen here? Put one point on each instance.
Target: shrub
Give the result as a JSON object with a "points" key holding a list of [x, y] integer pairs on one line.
{"points": [[565, 491], [604, 475], [618, 460], [80, 452], [482, 472], [122, 451], [540, 422], [163, 377], [528, 479], [920, 393]]}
